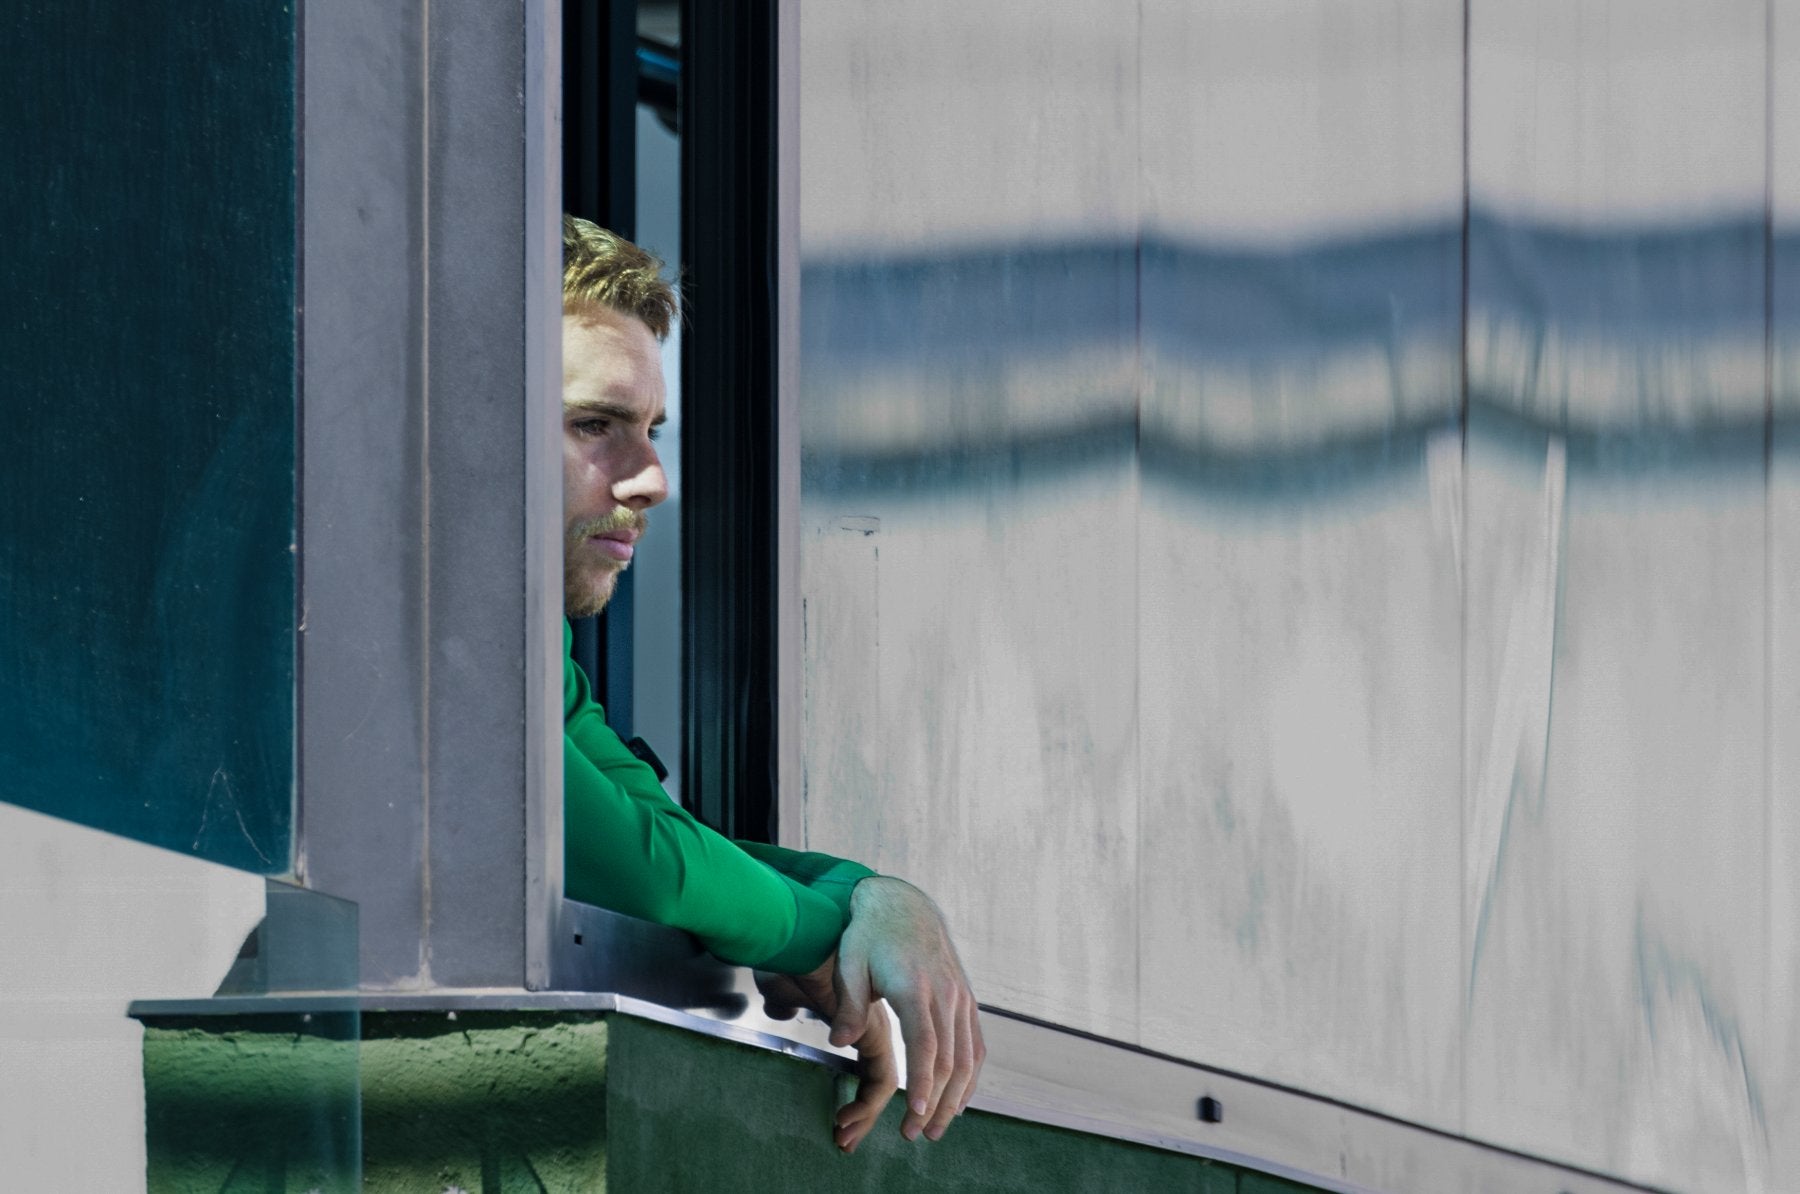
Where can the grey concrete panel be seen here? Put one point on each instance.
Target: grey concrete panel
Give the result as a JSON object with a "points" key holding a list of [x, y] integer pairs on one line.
{"points": [[1616, 973], [363, 707], [1299, 645], [1582, 110], [1647, 137], [1783, 853], [1299, 737], [939, 125], [1276, 122], [842, 732], [971, 726], [1460, 768], [967, 405], [1782, 923], [1615, 795]]}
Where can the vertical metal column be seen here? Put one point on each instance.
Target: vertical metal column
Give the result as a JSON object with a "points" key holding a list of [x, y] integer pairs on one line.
{"points": [[432, 502]]}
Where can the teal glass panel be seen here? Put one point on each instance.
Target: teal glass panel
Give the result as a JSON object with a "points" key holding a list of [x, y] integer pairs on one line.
{"points": [[148, 327]]}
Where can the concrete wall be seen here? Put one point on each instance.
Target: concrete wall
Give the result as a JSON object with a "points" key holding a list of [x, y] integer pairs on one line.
{"points": [[1294, 513]]}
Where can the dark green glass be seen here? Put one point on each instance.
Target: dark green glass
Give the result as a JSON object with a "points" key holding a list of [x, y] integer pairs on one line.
{"points": [[147, 495]]}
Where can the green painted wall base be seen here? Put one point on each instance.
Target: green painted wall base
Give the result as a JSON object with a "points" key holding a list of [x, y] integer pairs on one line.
{"points": [[519, 1101], [252, 1103]]}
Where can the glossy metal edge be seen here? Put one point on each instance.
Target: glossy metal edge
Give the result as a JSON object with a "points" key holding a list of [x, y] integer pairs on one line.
{"points": [[543, 492]]}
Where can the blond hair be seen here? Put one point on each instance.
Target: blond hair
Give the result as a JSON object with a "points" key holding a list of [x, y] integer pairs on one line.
{"points": [[602, 267]]}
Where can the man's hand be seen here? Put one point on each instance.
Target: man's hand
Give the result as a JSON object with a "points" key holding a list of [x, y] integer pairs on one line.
{"points": [[786, 994], [897, 947], [878, 1076]]}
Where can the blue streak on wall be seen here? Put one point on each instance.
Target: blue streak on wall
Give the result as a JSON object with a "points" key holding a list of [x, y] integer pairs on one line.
{"points": [[967, 314]]}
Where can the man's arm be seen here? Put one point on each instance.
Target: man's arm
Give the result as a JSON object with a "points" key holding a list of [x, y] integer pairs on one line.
{"points": [[628, 847], [833, 878], [646, 857]]}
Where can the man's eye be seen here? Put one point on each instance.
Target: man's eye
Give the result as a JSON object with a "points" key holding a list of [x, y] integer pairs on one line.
{"points": [[590, 427], [655, 434]]}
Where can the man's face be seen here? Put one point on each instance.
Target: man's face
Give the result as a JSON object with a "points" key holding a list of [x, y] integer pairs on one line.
{"points": [[612, 405]]}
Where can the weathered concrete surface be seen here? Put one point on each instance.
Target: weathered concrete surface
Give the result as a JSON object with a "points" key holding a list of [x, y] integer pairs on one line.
{"points": [[484, 1102], [258, 1102]]}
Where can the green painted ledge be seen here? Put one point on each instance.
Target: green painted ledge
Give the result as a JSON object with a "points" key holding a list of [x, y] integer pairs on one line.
{"points": [[526, 1101]]}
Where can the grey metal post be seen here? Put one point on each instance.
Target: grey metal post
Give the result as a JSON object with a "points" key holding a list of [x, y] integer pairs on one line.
{"points": [[431, 510]]}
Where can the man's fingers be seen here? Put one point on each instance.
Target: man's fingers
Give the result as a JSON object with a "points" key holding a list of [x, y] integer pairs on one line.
{"points": [[962, 1076], [921, 1066], [857, 1118], [783, 995], [943, 1068], [878, 1081]]}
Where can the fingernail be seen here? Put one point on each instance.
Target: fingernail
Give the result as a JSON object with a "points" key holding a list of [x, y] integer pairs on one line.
{"points": [[935, 1132], [918, 1105], [910, 1131]]}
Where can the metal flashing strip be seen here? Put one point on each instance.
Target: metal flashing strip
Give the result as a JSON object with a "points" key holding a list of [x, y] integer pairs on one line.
{"points": [[451, 1002], [1065, 1078]]}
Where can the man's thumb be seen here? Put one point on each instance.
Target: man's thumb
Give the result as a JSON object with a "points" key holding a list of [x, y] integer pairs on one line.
{"points": [[853, 1009]]}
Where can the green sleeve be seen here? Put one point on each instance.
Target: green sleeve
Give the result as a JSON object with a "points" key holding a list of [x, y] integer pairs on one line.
{"points": [[628, 847], [833, 878]]}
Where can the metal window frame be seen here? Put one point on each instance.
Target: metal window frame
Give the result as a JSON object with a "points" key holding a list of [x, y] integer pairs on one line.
{"points": [[733, 530]]}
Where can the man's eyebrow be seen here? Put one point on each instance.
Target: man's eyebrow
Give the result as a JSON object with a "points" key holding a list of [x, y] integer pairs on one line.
{"points": [[610, 410]]}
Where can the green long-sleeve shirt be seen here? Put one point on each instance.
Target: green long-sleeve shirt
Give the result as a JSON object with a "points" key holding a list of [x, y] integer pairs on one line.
{"points": [[628, 847]]}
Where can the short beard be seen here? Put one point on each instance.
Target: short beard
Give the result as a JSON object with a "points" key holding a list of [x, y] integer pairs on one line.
{"points": [[584, 593]]}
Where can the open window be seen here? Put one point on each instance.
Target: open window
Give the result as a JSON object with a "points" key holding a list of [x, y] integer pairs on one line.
{"points": [[669, 139]]}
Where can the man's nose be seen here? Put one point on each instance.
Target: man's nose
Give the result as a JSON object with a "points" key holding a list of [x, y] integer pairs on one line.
{"points": [[644, 486]]}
